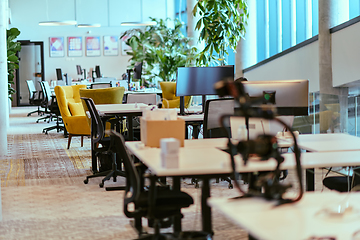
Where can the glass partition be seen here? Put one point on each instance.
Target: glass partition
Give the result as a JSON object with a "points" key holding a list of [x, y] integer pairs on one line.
{"points": [[328, 114]]}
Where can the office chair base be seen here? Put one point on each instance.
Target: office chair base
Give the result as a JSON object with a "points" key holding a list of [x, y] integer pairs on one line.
{"points": [[113, 174], [38, 111], [58, 129]]}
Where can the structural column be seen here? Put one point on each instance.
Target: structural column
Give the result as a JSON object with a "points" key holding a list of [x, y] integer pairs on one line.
{"points": [[329, 17], [246, 50], [4, 102]]}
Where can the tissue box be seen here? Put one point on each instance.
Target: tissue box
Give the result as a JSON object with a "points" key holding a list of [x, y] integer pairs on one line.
{"points": [[169, 145], [151, 131], [170, 160]]}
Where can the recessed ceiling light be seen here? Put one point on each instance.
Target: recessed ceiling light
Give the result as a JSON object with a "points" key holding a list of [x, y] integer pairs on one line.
{"points": [[57, 23], [89, 25], [138, 23]]}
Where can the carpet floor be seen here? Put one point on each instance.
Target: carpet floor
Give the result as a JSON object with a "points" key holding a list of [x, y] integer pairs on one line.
{"points": [[44, 197]]}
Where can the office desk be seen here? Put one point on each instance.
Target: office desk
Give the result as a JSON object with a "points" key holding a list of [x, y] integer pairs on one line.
{"points": [[195, 120], [327, 142], [128, 110], [145, 91], [131, 109], [201, 158], [298, 221]]}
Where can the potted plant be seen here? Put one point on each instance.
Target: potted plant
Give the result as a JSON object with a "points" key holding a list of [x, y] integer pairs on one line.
{"points": [[12, 60], [221, 25], [161, 49]]}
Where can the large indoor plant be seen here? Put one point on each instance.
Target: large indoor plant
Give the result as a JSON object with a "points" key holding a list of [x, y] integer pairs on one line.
{"points": [[12, 60], [162, 49], [221, 25]]}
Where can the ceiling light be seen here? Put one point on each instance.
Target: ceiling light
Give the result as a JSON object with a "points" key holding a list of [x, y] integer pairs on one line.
{"points": [[89, 25], [57, 23], [138, 23]]}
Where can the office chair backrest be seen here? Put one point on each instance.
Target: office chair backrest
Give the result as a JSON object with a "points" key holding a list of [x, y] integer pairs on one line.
{"points": [[214, 109], [98, 131], [31, 88], [45, 87], [147, 98], [100, 85], [132, 190]]}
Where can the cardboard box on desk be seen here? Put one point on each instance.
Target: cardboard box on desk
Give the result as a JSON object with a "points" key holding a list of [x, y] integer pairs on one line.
{"points": [[153, 130]]}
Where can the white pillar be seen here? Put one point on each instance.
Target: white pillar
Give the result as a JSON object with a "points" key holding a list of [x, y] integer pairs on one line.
{"points": [[246, 51], [4, 111], [328, 17]]}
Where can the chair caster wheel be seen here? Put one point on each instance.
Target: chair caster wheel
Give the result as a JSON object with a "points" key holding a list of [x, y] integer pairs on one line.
{"points": [[101, 185], [231, 186], [86, 181]]}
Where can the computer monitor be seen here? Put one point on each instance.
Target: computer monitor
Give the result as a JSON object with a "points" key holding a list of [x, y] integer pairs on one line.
{"points": [[291, 96], [97, 71], [137, 70], [79, 70], [59, 75], [195, 81]]}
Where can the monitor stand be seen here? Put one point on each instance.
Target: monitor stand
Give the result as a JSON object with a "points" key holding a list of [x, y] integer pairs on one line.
{"points": [[66, 79], [182, 106], [203, 103]]}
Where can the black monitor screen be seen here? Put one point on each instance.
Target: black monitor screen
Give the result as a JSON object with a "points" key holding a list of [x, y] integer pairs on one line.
{"points": [[137, 70], [192, 81], [78, 70], [59, 74], [97, 71]]}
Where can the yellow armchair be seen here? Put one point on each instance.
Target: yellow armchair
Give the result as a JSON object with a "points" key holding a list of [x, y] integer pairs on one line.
{"points": [[104, 95], [168, 93], [112, 95], [72, 112]]}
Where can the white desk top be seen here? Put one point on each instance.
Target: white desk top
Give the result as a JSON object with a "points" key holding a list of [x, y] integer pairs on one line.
{"points": [[328, 142], [145, 91], [136, 108], [120, 108], [297, 221], [192, 117], [201, 156]]}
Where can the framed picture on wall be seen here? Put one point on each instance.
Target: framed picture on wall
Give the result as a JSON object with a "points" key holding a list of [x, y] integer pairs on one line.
{"points": [[92, 46], [57, 47], [111, 45], [75, 46], [125, 48]]}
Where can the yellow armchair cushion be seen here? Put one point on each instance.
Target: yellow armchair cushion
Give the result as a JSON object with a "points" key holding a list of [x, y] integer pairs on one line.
{"points": [[76, 109], [77, 125], [169, 93], [66, 96]]}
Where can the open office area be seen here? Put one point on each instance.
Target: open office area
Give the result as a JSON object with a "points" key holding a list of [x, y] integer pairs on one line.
{"points": [[120, 124]]}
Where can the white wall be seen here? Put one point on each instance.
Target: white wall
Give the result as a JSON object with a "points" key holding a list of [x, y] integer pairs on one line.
{"points": [[303, 63], [346, 55], [299, 64], [26, 15]]}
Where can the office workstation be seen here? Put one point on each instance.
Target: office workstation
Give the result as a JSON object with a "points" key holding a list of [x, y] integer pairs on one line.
{"points": [[196, 197]]}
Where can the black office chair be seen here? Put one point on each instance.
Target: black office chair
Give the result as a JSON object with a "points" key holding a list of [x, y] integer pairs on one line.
{"points": [[100, 145], [46, 103], [343, 183], [214, 109], [53, 109], [158, 204], [35, 97]]}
